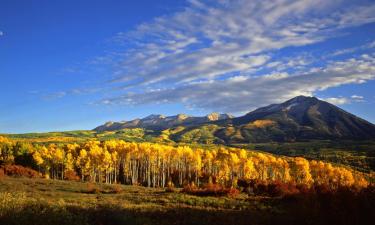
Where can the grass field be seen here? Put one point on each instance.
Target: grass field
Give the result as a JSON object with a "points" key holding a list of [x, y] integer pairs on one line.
{"points": [[35, 201], [40, 201]]}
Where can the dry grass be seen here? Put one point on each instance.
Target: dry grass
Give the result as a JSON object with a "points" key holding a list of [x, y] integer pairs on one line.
{"points": [[40, 201]]}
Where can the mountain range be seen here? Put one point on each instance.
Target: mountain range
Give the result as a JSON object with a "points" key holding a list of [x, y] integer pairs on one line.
{"points": [[160, 122], [298, 119]]}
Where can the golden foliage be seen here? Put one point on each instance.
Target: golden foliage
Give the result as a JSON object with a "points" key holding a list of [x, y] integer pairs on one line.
{"points": [[262, 123], [156, 165]]}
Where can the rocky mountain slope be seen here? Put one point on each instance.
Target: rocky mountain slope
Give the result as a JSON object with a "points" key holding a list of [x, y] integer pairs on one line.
{"points": [[298, 119], [160, 122]]}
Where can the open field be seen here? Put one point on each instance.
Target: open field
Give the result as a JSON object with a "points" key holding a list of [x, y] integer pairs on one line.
{"points": [[33, 201], [41, 201]]}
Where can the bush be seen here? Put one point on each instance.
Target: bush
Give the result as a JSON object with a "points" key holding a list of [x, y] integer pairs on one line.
{"points": [[170, 187], [71, 175], [279, 189], [270, 188], [211, 190], [2, 174], [115, 189], [92, 189], [19, 171]]}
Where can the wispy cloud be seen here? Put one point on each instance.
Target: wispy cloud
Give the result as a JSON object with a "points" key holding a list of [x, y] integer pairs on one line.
{"points": [[243, 93], [212, 54], [345, 51], [337, 100], [345, 100], [55, 95], [211, 39]]}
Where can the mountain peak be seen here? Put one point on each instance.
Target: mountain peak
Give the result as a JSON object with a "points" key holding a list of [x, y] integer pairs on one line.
{"points": [[182, 116], [213, 116], [300, 118], [216, 116], [302, 98], [310, 118]]}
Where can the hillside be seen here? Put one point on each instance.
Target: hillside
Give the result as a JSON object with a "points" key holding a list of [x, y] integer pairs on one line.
{"points": [[160, 122], [298, 119]]}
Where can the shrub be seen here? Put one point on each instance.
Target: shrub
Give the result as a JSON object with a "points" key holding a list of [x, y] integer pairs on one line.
{"points": [[116, 189], [92, 189], [19, 171], [279, 189], [170, 187], [233, 192], [71, 175], [2, 174], [211, 190]]}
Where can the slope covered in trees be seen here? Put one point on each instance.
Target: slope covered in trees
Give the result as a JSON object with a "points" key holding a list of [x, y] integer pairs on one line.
{"points": [[157, 165]]}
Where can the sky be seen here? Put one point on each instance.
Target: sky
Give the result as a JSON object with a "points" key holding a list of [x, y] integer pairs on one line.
{"points": [[75, 64]]}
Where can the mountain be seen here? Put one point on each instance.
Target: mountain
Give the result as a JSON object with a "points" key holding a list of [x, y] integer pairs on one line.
{"points": [[160, 122], [298, 119]]}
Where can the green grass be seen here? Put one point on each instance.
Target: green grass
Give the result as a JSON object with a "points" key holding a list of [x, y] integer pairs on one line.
{"points": [[359, 155]]}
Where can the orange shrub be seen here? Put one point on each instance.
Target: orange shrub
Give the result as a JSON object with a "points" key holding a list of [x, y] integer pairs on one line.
{"points": [[71, 175], [211, 190], [92, 189], [2, 174], [19, 171], [116, 189]]}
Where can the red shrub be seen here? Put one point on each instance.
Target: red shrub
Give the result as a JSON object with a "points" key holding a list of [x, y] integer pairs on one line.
{"points": [[116, 189], [275, 188], [279, 189], [71, 175], [19, 171], [211, 190], [233, 192], [2, 174], [92, 189]]}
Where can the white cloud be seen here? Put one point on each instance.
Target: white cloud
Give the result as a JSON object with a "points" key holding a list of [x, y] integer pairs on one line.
{"points": [[345, 51], [243, 93], [337, 100], [211, 39], [1, 33], [345, 100], [357, 98], [213, 54]]}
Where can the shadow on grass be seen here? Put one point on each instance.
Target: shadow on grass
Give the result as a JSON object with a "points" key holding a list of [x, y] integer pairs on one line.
{"points": [[42, 213]]}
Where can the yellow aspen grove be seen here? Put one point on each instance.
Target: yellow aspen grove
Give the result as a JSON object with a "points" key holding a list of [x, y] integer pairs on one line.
{"points": [[6, 150], [83, 163], [156, 165], [301, 171]]}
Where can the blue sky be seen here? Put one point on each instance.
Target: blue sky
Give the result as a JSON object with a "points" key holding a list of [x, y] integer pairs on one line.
{"points": [[67, 65]]}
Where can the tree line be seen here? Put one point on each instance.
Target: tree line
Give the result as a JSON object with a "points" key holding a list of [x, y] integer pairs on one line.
{"points": [[160, 165]]}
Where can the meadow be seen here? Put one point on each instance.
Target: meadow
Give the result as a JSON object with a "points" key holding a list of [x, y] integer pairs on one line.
{"points": [[40, 201]]}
